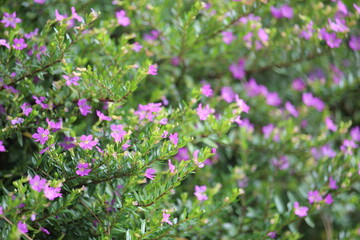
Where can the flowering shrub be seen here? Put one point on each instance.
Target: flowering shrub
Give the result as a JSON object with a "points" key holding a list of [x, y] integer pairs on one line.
{"points": [[152, 119]]}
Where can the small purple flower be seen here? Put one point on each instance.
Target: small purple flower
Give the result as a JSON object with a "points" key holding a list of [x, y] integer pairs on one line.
{"points": [[10, 20], [330, 124], [87, 142], [332, 183], [282, 163], [68, 143], [331, 40], [200, 193], [149, 173], [74, 15], [228, 94], [174, 138], [314, 196], [122, 18], [204, 113], [37, 183], [171, 166], [300, 211], [55, 126], [328, 199], [272, 235], [152, 36], [84, 108], [83, 169], [118, 132], [102, 117], [273, 99], [311, 101], [298, 84], [291, 109], [31, 34], [17, 120], [1, 210], [136, 47], [2, 147], [238, 69], [354, 43], [149, 111], [3, 42], [182, 155], [166, 217], [71, 80], [242, 104], [357, 8], [227, 37], [252, 88], [58, 16], [40, 101], [21, 226], [355, 133], [267, 130], [19, 44], [52, 193], [347, 146], [44, 230], [39, 1], [339, 25], [152, 70], [284, 11], [41, 136], [206, 90], [26, 110]]}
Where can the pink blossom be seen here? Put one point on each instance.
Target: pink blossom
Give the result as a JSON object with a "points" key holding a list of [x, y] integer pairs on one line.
{"points": [[332, 183], [314, 196], [245, 123], [117, 132], [149, 111], [238, 69], [122, 18], [282, 163], [311, 101], [71, 80], [267, 130], [354, 43], [328, 199], [44, 230], [41, 136], [26, 110], [3, 42], [195, 156], [174, 138], [273, 99], [166, 217], [227, 37], [298, 84], [2, 147], [204, 113], [40, 101], [58, 16], [291, 109], [272, 235], [331, 40], [74, 15], [171, 166], [342, 8], [52, 193], [242, 104], [83, 169], [163, 121], [228, 94], [300, 211], [152, 36], [152, 70], [200, 193], [102, 117], [149, 173], [357, 8], [308, 31], [175, 61], [37, 183], [21, 226], [1, 210], [347, 146], [252, 88], [355, 133], [68, 143], [56, 126], [87, 142], [330, 124], [17, 120], [206, 90], [19, 44], [136, 47], [83, 107], [39, 1], [10, 20], [284, 11], [339, 25], [182, 155], [263, 36]]}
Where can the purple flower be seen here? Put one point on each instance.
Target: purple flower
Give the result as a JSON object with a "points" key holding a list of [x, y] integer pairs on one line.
{"points": [[39, 1], [52, 193], [149, 173], [1, 210], [272, 235], [330, 124], [19, 44], [166, 217], [331, 40], [55, 126], [26, 110], [245, 123], [68, 143], [41, 136], [37, 183], [84, 108], [152, 36], [83, 169], [182, 155], [200, 193], [328, 199], [2, 147], [10, 20], [74, 15], [171, 166], [252, 88], [282, 163], [71, 80], [44, 230], [300, 211], [291, 109], [284, 11], [355, 133], [136, 47], [206, 90], [342, 8], [267, 130], [228, 94], [40, 101], [122, 19], [354, 43], [273, 99], [204, 113], [327, 151], [58, 16], [175, 61], [263, 36], [227, 37], [339, 25], [238, 70], [149, 111], [347, 146], [332, 183], [308, 32], [242, 104], [22, 227], [3, 42], [311, 101], [152, 70], [17, 120], [174, 138], [298, 84], [87, 142], [117, 132], [357, 8], [102, 117], [314, 196]]}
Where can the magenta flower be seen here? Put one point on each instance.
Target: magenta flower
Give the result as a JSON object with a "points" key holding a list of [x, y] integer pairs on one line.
{"points": [[19, 44], [58, 16], [252, 88], [84, 108], [357, 8], [166, 217], [206, 90], [355, 133], [17, 120], [10, 20], [41, 136], [2, 147], [149, 111], [291, 109], [347, 146], [331, 40], [40, 1], [136, 47], [71, 80], [298, 84], [284, 11], [182, 155], [31, 34], [228, 94], [238, 69], [68, 143], [40, 101], [102, 117], [273, 99], [308, 31], [152, 36], [44, 230], [227, 37], [1, 210], [314, 196], [171, 166], [354, 43], [327, 151], [26, 110], [300, 211], [282, 163], [117, 132], [200, 193], [267, 130], [204, 113], [21, 226], [87, 142], [328, 199], [74, 15], [152, 70], [272, 235], [3, 42], [263, 36], [122, 19], [52, 193], [37, 183], [163, 121], [339, 25], [242, 104], [174, 138], [330, 124], [83, 169], [149, 173], [55, 126], [311, 101], [332, 183]]}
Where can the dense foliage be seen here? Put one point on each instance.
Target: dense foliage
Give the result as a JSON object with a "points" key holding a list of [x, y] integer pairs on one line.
{"points": [[164, 119]]}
